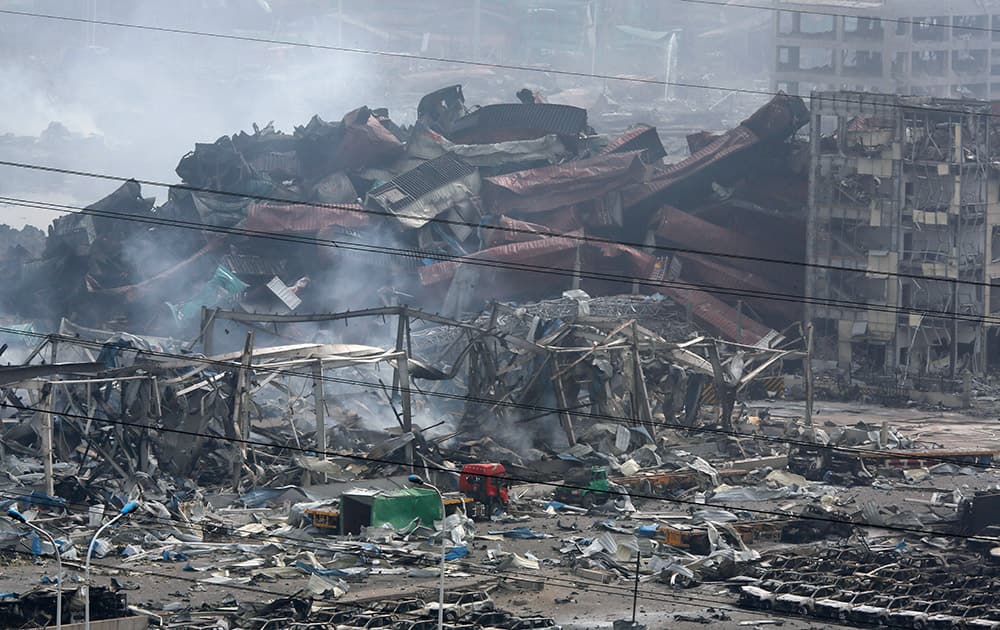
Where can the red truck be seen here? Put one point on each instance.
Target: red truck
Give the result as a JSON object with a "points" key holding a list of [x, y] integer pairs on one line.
{"points": [[484, 483]]}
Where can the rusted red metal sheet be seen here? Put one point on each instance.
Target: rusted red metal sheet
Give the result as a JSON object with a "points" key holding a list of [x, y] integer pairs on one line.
{"points": [[593, 256], [366, 142], [700, 139], [686, 230], [508, 230], [725, 276], [639, 138], [730, 143], [706, 270], [303, 218], [718, 316], [550, 187], [777, 120], [524, 252]]}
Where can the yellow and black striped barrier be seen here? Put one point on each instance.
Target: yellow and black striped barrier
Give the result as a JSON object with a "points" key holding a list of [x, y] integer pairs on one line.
{"points": [[774, 385]]}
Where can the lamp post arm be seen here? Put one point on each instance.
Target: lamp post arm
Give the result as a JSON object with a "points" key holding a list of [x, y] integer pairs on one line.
{"points": [[59, 586], [443, 551], [86, 567]]}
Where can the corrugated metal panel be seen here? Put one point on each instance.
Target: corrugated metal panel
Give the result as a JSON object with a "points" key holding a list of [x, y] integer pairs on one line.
{"points": [[540, 118], [731, 142], [245, 265], [550, 187], [641, 264], [293, 217], [522, 252], [777, 120], [283, 293], [415, 183]]}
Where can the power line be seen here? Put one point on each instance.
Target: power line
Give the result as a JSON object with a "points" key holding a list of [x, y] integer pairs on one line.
{"points": [[454, 61], [411, 253], [585, 238], [437, 468], [546, 410]]}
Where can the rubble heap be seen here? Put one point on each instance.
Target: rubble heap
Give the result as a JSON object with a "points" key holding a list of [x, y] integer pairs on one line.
{"points": [[516, 200]]}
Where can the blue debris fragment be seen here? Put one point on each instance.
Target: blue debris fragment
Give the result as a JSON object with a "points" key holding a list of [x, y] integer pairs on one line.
{"points": [[456, 552]]}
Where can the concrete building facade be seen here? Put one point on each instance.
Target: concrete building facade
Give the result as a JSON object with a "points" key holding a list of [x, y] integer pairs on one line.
{"points": [[946, 49], [902, 229]]}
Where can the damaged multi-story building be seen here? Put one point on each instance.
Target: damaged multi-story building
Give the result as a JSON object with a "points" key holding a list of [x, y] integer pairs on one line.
{"points": [[903, 225], [913, 47]]}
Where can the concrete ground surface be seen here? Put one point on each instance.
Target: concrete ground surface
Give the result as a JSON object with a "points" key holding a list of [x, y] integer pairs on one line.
{"points": [[164, 586]]}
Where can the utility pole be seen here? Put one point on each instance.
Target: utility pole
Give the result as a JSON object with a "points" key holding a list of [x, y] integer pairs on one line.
{"points": [[807, 367], [954, 327], [47, 441], [319, 398], [403, 362], [241, 419], [402, 325], [635, 588]]}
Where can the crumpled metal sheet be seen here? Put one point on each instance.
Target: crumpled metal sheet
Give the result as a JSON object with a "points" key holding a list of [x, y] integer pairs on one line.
{"points": [[551, 187], [427, 144], [517, 121], [303, 218], [639, 138], [366, 141], [776, 120], [683, 228], [639, 264], [720, 317], [434, 187]]}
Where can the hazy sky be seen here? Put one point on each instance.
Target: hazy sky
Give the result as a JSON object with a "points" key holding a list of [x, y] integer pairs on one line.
{"points": [[147, 97]]}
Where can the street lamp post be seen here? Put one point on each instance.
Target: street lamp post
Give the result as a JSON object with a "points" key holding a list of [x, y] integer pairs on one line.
{"points": [[417, 480], [20, 518], [130, 507]]}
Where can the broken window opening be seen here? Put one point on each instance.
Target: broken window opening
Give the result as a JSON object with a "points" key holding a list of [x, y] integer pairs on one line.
{"points": [[818, 60], [969, 61], [863, 28], [863, 63], [786, 23], [969, 26], [929, 63], [818, 25], [930, 29]]}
